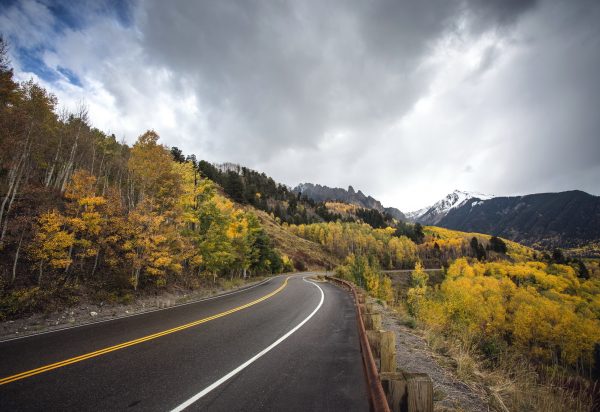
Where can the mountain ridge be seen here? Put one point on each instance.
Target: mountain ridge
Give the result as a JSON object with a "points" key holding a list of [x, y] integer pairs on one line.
{"points": [[321, 193], [554, 219]]}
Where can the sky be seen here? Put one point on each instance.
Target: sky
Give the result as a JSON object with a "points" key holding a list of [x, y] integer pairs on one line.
{"points": [[404, 100]]}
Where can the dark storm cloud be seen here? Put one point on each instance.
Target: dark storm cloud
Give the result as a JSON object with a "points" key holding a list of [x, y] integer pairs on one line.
{"points": [[281, 75], [499, 12], [406, 100]]}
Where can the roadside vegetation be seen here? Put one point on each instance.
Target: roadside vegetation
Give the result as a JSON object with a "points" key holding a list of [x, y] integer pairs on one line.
{"points": [[365, 273], [521, 323], [527, 333], [532, 328], [343, 239]]}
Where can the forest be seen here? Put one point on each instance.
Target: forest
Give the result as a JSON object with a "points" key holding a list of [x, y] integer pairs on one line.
{"points": [[404, 244], [77, 207], [543, 310]]}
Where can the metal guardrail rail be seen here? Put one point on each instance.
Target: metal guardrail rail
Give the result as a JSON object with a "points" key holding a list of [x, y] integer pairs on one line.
{"points": [[377, 398]]}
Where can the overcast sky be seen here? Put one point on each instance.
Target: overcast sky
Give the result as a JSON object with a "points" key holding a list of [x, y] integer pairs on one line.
{"points": [[405, 100]]}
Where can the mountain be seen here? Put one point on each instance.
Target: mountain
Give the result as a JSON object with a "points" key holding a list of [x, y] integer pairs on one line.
{"points": [[320, 193], [432, 215], [564, 219]]}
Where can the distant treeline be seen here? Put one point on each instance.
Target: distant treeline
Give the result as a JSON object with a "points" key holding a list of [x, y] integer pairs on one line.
{"points": [[247, 186]]}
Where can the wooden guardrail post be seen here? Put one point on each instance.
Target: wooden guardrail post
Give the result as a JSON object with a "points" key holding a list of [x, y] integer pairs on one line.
{"points": [[361, 298], [373, 321], [408, 392], [394, 386], [419, 389], [388, 351], [374, 338]]}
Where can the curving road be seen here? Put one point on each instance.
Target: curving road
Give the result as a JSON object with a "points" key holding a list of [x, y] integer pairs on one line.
{"points": [[288, 344]]}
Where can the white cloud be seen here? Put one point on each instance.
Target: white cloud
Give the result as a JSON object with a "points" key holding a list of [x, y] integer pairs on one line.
{"points": [[404, 100]]}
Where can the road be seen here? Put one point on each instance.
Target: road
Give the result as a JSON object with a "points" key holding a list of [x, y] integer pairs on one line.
{"points": [[288, 344]]}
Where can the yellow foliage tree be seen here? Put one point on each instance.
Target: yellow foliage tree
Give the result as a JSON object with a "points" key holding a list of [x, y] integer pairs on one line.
{"points": [[52, 243], [541, 310]]}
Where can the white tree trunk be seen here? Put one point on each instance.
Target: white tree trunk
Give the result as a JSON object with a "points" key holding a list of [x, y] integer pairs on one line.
{"points": [[14, 268]]}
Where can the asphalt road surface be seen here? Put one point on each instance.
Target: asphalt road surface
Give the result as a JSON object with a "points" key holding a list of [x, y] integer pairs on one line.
{"points": [[288, 344]]}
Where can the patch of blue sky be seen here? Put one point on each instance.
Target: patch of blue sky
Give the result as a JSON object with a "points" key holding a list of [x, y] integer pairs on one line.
{"points": [[31, 61], [71, 77], [75, 15], [67, 15]]}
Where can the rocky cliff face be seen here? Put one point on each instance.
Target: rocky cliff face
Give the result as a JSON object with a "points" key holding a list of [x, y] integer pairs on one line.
{"points": [[320, 193]]}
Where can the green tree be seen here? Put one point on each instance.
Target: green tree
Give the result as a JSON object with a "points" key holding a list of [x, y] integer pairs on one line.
{"points": [[497, 245], [234, 187]]}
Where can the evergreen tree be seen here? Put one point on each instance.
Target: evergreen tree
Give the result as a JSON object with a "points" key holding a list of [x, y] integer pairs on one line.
{"points": [[497, 245], [418, 236], [582, 270], [558, 257], [234, 187], [477, 249], [177, 154]]}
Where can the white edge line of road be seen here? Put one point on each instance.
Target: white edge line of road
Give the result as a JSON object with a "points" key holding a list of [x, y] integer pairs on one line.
{"points": [[244, 365], [141, 313]]}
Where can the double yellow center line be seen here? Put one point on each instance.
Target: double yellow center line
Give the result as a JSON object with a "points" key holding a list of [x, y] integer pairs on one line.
{"points": [[123, 345]]}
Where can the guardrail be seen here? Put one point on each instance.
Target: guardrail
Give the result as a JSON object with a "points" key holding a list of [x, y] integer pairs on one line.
{"points": [[376, 394], [390, 389]]}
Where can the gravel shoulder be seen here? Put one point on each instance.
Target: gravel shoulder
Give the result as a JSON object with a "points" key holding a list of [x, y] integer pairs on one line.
{"points": [[415, 355], [86, 313]]}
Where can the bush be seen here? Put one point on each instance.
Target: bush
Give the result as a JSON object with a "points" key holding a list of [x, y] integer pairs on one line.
{"points": [[24, 302], [287, 263], [300, 266], [386, 291]]}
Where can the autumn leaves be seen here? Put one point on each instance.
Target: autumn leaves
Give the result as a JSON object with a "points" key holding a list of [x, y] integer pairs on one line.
{"points": [[167, 220]]}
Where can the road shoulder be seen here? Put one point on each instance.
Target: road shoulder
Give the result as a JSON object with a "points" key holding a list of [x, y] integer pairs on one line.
{"points": [[90, 313]]}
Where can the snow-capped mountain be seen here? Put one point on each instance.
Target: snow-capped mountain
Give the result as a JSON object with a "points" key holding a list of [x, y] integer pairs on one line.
{"points": [[413, 216], [434, 214]]}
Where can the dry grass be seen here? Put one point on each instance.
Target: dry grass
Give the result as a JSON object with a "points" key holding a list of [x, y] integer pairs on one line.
{"points": [[304, 253], [513, 383]]}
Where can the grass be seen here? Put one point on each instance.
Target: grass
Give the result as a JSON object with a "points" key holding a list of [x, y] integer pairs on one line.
{"points": [[19, 303], [305, 254], [514, 383]]}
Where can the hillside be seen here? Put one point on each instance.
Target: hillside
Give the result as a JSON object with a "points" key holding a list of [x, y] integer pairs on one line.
{"points": [[320, 193], [514, 251], [546, 220], [250, 187], [83, 215], [305, 255]]}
